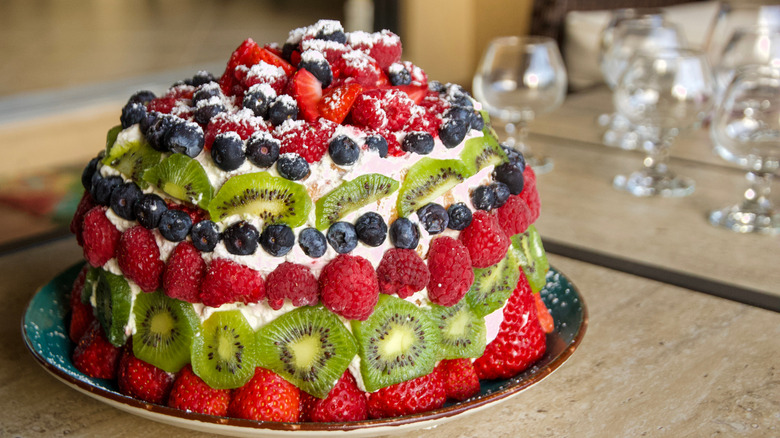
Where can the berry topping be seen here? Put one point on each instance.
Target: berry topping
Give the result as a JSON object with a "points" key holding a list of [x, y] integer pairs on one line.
{"points": [[292, 166], [337, 101], [348, 287], [483, 198], [155, 127], [227, 282], [100, 236], [313, 242], [545, 318], [511, 175], [329, 30], [183, 273], [514, 216], [399, 75], [262, 150], [124, 198], [94, 355], [404, 233], [307, 91], [433, 217], [263, 73], [422, 394], [228, 151], [371, 229], [243, 122], [359, 68], [259, 98], [530, 195], [293, 282], [139, 258], [266, 397], [418, 142], [460, 378], [88, 172], [241, 238], [136, 378], [453, 131], [309, 140], [515, 157], [103, 188], [486, 241], [402, 272], [382, 109], [80, 313], [343, 150], [345, 402], [502, 193], [185, 138], [190, 393], [451, 274], [77, 223], [132, 113], [342, 237], [384, 46], [141, 96], [149, 209], [377, 143], [317, 65], [281, 109], [277, 240], [205, 235], [459, 216], [175, 225]]}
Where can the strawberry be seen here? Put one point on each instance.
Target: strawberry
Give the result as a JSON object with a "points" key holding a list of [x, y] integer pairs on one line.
{"points": [[545, 319], [184, 273], [266, 397], [530, 195], [136, 378], [337, 101], [139, 258], [226, 282], [415, 92], [460, 378], [307, 91], [190, 393], [274, 59], [247, 54], [520, 341], [77, 223], [345, 402], [101, 238], [412, 396], [81, 315], [94, 355]]}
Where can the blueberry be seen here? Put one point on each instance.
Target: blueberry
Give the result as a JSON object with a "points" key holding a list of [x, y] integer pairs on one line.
{"points": [[175, 225], [502, 193], [202, 77], [404, 234], [342, 237], [124, 198], [436, 86], [317, 65], [457, 95], [515, 157], [103, 187], [312, 242], [149, 209], [287, 50], [453, 131], [476, 121], [155, 127], [205, 236], [262, 150], [89, 172], [207, 111], [433, 218], [132, 113], [511, 175], [418, 142], [292, 166], [142, 96], [185, 138], [399, 75], [206, 92], [343, 150], [458, 112], [483, 198], [277, 240], [283, 108], [460, 216], [377, 143], [228, 151], [241, 238], [371, 229], [328, 34], [258, 99]]}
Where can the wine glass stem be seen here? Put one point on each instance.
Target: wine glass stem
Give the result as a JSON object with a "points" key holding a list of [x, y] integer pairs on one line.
{"points": [[757, 198], [657, 160], [516, 134]]}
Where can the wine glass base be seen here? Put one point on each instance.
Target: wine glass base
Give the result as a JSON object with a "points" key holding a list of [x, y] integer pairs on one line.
{"points": [[540, 164], [642, 184], [740, 221]]}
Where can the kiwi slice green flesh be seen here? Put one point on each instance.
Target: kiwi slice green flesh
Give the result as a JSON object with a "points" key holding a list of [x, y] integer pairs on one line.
{"points": [[398, 342], [164, 330], [428, 179], [351, 195], [274, 199], [530, 254], [90, 282], [114, 300], [309, 347], [462, 331], [112, 135], [182, 178], [131, 158], [493, 285], [225, 353], [480, 152]]}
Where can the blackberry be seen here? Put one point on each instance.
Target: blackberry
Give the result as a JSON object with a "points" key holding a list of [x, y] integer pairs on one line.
{"points": [[502, 193], [312, 242], [404, 234], [418, 142], [185, 138], [262, 150], [149, 209], [483, 198], [452, 132], [459, 216], [241, 238], [343, 150], [433, 217], [174, 225], [277, 240], [317, 65], [132, 113], [205, 236], [103, 187], [205, 112], [371, 229], [258, 99], [511, 175], [283, 108], [377, 143], [292, 166], [342, 237], [399, 75], [124, 198], [141, 96], [228, 151], [89, 172]]}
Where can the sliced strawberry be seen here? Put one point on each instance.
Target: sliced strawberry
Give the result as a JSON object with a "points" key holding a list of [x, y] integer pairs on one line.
{"points": [[248, 54], [190, 393], [273, 48], [274, 59], [415, 92], [307, 91], [412, 396], [136, 378], [545, 318], [337, 101]]}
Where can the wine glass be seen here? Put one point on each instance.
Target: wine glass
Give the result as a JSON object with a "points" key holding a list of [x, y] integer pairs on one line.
{"points": [[751, 45], [747, 125], [517, 79], [732, 16], [663, 91]]}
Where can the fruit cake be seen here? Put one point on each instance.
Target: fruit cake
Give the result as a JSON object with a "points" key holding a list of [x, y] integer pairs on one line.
{"points": [[320, 233]]}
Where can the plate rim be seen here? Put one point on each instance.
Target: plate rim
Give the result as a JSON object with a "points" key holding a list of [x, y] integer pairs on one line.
{"points": [[418, 420]]}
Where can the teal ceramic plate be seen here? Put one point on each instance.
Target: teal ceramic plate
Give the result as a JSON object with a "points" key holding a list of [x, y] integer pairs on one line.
{"points": [[46, 336]]}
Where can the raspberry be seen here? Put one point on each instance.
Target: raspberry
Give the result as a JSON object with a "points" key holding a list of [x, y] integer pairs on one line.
{"points": [[530, 195], [434, 103], [418, 75], [263, 73], [227, 282], [76, 224], [243, 122], [361, 69], [196, 214], [136, 378], [183, 273], [451, 273], [514, 216], [345, 402], [384, 47], [139, 258], [94, 355], [80, 314], [393, 145], [349, 287], [388, 108], [486, 241], [307, 139], [402, 272], [190, 393], [294, 282], [101, 238], [422, 120], [460, 378], [332, 50], [266, 397], [410, 397]]}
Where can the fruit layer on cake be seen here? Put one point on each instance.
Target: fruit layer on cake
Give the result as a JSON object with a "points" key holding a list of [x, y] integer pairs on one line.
{"points": [[320, 233]]}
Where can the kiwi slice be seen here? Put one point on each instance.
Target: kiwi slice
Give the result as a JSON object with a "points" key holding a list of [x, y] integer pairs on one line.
{"points": [[493, 285], [90, 281], [480, 152], [351, 195], [225, 353], [309, 347], [164, 330], [398, 342], [428, 179], [530, 254], [112, 135], [463, 332], [183, 178], [114, 300], [130, 158], [274, 199]]}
